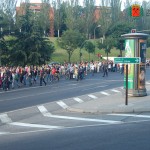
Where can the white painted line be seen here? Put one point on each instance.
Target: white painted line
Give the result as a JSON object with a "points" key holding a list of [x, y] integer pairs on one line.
{"points": [[147, 82], [5, 119], [130, 115], [2, 133], [92, 96], [42, 109], [78, 100], [82, 119], [104, 93], [115, 91], [35, 125], [62, 104]]}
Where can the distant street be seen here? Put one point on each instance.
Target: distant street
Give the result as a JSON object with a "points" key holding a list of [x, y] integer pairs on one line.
{"points": [[21, 98]]}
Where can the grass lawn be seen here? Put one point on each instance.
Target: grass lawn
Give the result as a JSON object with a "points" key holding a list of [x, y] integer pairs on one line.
{"points": [[60, 55]]}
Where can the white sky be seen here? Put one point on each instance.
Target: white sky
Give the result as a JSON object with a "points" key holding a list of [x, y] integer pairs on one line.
{"points": [[97, 2]]}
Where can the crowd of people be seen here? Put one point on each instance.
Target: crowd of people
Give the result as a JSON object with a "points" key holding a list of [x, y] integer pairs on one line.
{"points": [[16, 77]]}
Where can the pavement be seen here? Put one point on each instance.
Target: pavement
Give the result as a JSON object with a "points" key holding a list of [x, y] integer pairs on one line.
{"points": [[114, 104]]}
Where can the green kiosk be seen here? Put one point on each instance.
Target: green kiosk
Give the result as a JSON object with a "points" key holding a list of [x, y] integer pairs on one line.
{"points": [[135, 46]]}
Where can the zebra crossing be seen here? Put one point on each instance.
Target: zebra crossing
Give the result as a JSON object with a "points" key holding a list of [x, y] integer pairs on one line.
{"points": [[45, 118], [84, 98]]}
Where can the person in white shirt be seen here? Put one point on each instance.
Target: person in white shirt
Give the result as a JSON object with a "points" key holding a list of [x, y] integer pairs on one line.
{"points": [[92, 68]]}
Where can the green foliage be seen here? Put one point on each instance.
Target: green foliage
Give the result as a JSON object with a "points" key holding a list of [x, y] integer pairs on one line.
{"points": [[27, 46], [30, 45], [107, 45], [116, 31], [70, 41], [89, 47]]}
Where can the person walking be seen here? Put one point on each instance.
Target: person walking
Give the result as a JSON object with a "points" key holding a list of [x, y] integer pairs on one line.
{"points": [[92, 68], [105, 69], [42, 77]]}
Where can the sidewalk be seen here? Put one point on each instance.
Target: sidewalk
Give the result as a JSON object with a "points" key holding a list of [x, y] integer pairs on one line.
{"points": [[114, 104]]}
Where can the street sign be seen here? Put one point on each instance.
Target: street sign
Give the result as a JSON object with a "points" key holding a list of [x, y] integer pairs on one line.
{"points": [[127, 60]]}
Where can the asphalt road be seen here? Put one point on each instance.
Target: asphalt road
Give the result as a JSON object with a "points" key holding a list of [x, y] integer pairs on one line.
{"points": [[126, 136], [30, 119], [26, 97]]}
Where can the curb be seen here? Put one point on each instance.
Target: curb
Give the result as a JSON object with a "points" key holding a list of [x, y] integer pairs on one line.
{"points": [[106, 111]]}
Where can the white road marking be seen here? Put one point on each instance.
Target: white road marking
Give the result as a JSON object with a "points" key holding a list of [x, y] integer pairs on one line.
{"points": [[130, 115], [81, 119], [62, 104], [147, 82], [115, 90], [104, 93], [78, 118], [92, 96], [78, 100], [71, 127], [5, 119], [2, 133], [42, 109], [35, 125]]}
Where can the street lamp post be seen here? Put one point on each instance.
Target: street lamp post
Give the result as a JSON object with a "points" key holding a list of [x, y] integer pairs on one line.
{"points": [[95, 29]]}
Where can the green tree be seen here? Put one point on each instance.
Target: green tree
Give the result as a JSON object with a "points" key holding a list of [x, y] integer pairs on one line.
{"points": [[70, 41], [105, 19], [115, 10], [3, 33], [30, 41], [43, 17], [116, 31], [107, 45], [71, 14], [89, 11], [89, 47]]}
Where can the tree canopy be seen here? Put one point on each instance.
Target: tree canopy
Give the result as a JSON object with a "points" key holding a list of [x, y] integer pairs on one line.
{"points": [[23, 37], [70, 41]]}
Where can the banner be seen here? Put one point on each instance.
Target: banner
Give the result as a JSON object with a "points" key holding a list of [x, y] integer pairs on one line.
{"points": [[141, 75], [129, 52]]}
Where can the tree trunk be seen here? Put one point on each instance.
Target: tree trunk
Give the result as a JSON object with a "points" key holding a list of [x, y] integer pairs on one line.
{"points": [[120, 53], [107, 56], [69, 57], [89, 57]]}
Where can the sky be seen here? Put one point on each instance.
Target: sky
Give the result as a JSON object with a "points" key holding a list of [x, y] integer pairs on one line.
{"points": [[97, 2]]}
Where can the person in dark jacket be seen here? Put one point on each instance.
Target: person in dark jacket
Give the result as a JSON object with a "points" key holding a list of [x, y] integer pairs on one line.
{"points": [[105, 69], [42, 77]]}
